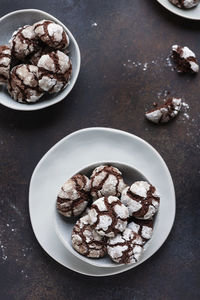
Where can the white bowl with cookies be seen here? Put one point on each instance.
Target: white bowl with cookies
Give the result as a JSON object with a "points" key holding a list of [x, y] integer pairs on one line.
{"points": [[105, 214], [40, 60]]}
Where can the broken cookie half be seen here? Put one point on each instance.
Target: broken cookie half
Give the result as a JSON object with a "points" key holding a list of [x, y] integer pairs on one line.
{"points": [[184, 59], [164, 113]]}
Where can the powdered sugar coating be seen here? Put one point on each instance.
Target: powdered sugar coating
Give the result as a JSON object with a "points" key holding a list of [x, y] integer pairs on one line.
{"points": [[166, 112], [23, 84], [125, 247], [74, 196], [86, 240], [55, 61], [55, 71], [141, 207], [142, 227], [187, 57], [108, 216], [51, 34], [23, 42], [185, 3], [106, 181], [5, 59]]}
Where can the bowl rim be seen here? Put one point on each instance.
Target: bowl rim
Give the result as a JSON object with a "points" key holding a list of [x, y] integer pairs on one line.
{"points": [[69, 87], [70, 248]]}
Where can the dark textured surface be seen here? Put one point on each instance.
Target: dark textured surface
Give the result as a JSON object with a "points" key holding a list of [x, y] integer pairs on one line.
{"points": [[110, 91]]}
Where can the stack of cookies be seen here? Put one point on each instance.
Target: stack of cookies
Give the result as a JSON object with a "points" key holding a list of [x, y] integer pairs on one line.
{"points": [[114, 219], [35, 62]]}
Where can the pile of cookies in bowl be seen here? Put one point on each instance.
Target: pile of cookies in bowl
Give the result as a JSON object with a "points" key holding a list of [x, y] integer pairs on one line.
{"points": [[35, 62], [108, 215]]}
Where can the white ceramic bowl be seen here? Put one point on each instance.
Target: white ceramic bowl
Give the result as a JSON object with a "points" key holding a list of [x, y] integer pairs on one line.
{"points": [[64, 226], [11, 22], [192, 14]]}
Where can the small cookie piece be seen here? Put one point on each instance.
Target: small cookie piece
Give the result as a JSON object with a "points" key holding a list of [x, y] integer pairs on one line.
{"points": [[23, 42], [165, 112], [142, 200], [142, 227], [185, 4], [74, 196], [106, 181], [55, 71], [5, 59], [108, 216], [184, 59], [23, 84], [87, 241], [51, 34], [125, 248]]}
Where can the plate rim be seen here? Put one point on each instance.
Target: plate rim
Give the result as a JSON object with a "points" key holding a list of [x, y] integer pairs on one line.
{"points": [[33, 107], [178, 12], [112, 130]]}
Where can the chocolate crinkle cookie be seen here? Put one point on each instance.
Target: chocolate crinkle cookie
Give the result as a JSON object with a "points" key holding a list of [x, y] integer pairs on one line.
{"points": [[141, 199], [184, 59], [73, 197], [185, 4], [23, 84], [165, 112], [142, 227], [106, 181], [24, 42], [87, 241], [5, 59], [126, 247], [108, 216], [55, 71], [52, 34]]}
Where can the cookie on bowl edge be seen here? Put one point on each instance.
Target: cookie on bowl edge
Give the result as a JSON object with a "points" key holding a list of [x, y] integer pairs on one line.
{"points": [[87, 241], [142, 227], [126, 247], [52, 34], [108, 216], [73, 197], [106, 181], [141, 199], [23, 42], [5, 60]]}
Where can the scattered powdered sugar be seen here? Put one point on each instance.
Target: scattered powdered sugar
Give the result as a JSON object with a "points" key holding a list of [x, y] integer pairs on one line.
{"points": [[4, 256], [144, 66], [94, 24]]}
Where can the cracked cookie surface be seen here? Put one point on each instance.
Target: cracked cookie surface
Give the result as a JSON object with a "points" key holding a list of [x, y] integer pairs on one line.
{"points": [[5, 60], [74, 196], [141, 199], [23, 84], [108, 216], [126, 247], [51, 34], [106, 181], [87, 241]]}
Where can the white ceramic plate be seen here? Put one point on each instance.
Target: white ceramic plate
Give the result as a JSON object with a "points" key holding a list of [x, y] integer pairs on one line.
{"points": [[73, 153], [64, 226], [11, 22], [193, 13]]}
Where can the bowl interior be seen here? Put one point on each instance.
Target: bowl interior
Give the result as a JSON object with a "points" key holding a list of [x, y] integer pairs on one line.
{"points": [[11, 23], [64, 225]]}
